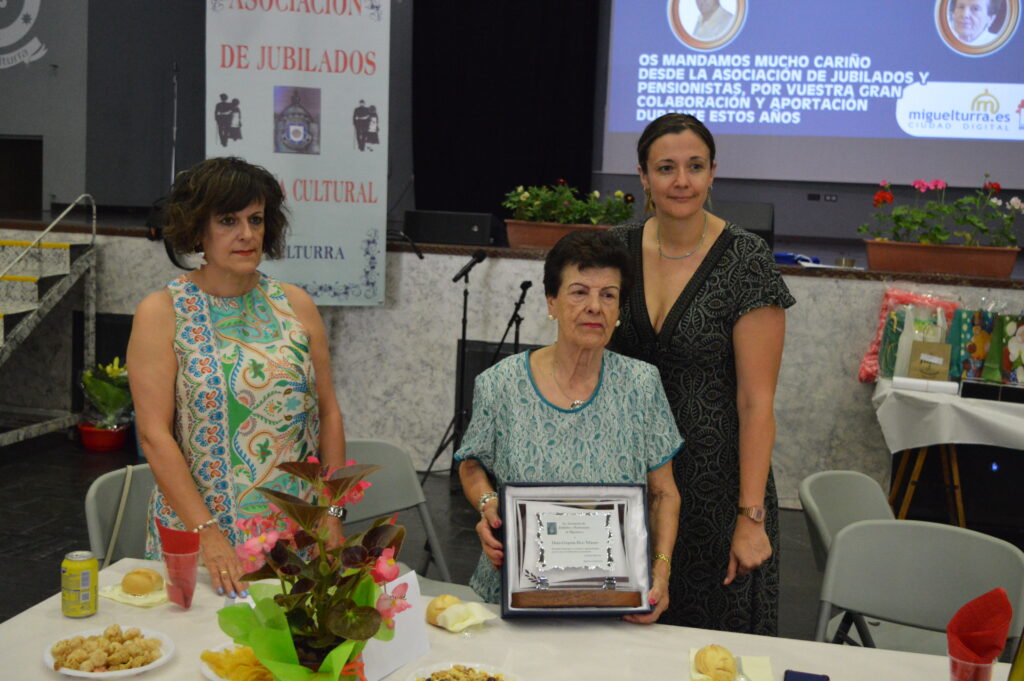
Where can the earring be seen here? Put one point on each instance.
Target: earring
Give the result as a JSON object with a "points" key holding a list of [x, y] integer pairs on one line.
{"points": [[648, 201], [551, 317], [618, 323]]}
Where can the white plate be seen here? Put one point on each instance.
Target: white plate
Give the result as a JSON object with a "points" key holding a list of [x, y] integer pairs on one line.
{"points": [[425, 672], [166, 650], [207, 671]]}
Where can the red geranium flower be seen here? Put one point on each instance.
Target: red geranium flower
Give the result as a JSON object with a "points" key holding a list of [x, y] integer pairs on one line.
{"points": [[993, 187], [882, 196]]}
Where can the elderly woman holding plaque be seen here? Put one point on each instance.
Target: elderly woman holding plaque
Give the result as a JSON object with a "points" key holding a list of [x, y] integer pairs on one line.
{"points": [[573, 412]]}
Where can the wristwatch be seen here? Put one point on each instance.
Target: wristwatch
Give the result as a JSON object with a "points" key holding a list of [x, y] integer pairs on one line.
{"points": [[338, 512], [755, 513]]}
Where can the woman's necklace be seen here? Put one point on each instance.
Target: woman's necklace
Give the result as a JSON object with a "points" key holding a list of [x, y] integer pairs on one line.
{"points": [[700, 244], [573, 403]]}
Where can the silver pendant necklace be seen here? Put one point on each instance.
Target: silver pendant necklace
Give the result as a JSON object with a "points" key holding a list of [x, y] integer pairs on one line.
{"points": [[700, 244], [573, 404]]}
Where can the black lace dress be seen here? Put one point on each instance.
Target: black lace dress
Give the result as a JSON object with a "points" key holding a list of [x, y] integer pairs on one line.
{"points": [[694, 354]]}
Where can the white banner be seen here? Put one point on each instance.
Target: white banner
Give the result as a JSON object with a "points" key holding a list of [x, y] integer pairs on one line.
{"points": [[301, 88]]}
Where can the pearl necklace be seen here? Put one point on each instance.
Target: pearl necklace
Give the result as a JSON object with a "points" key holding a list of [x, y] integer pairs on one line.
{"points": [[700, 244]]}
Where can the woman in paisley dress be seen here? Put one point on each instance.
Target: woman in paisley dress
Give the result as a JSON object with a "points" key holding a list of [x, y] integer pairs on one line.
{"points": [[573, 412], [230, 368], [709, 311]]}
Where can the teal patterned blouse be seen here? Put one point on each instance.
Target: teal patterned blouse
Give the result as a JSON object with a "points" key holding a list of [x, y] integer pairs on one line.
{"points": [[624, 431]]}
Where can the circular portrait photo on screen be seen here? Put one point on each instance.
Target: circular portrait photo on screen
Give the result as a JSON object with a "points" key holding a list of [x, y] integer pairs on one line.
{"points": [[706, 24], [975, 28]]}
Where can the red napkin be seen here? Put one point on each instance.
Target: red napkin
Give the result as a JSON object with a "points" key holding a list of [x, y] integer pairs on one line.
{"points": [[178, 541], [977, 633]]}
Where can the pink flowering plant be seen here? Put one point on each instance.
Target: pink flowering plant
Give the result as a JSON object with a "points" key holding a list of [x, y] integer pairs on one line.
{"points": [[981, 218], [327, 600]]}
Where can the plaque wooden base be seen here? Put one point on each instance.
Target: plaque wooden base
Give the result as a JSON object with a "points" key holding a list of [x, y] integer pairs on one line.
{"points": [[570, 598]]}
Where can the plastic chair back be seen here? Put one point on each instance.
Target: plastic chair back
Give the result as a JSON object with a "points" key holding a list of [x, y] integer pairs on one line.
{"points": [[101, 505], [917, 573], [834, 499], [393, 489]]}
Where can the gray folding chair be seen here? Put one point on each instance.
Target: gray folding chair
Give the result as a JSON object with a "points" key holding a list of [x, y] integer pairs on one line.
{"points": [[831, 501], [393, 489], [115, 513], [917, 574]]}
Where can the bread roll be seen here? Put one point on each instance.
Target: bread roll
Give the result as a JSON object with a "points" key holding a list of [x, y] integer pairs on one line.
{"points": [[715, 661], [438, 605], [141, 582]]}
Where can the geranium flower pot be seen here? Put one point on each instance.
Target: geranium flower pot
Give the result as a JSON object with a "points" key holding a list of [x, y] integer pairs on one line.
{"points": [[525, 234], [971, 261], [102, 439]]}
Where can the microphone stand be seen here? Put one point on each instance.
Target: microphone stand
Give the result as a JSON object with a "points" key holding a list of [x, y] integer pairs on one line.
{"points": [[402, 235], [457, 426], [515, 319]]}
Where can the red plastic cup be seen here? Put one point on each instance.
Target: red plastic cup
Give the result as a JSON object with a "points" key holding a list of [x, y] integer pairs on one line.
{"points": [[961, 670], [182, 569], [177, 541]]}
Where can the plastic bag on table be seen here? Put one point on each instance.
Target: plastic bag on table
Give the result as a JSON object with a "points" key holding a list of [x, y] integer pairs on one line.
{"points": [[970, 337], [1005, 360], [892, 300]]}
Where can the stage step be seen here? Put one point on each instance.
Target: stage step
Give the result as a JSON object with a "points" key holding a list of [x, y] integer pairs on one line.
{"points": [[25, 298], [42, 260]]}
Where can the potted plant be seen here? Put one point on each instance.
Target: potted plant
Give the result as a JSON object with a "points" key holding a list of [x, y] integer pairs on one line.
{"points": [[974, 235], [105, 421], [541, 215], [326, 602]]}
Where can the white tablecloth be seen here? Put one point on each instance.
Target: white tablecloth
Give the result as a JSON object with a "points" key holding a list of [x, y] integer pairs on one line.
{"points": [[911, 419], [530, 650]]}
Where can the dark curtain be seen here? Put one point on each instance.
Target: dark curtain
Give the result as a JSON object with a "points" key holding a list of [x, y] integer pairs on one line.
{"points": [[503, 95]]}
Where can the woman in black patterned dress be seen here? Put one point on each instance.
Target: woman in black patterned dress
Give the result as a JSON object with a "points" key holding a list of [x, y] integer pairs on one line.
{"points": [[708, 310]]}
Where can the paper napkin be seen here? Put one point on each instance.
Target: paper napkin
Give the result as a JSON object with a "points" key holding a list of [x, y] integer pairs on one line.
{"points": [[978, 630]]}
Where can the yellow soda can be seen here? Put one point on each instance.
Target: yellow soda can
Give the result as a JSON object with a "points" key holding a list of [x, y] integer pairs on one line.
{"points": [[79, 572]]}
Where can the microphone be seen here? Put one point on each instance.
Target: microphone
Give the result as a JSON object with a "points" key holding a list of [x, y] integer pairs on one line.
{"points": [[522, 296], [478, 256]]}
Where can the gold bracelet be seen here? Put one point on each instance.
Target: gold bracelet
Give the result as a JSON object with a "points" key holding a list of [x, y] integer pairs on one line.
{"points": [[486, 498], [666, 559]]}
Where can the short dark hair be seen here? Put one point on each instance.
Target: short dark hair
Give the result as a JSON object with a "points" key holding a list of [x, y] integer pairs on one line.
{"points": [[671, 123], [587, 248], [223, 185]]}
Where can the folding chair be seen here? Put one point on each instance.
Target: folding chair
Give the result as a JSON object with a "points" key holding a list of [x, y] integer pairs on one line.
{"points": [[395, 488], [831, 501], [917, 574], [115, 513]]}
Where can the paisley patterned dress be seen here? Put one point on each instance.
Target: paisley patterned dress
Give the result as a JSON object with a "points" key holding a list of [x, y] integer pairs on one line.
{"points": [[624, 431], [245, 401], [694, 354]]}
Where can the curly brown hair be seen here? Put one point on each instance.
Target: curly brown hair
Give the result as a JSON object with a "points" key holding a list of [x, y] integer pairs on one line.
{"points": [[218, 186]]}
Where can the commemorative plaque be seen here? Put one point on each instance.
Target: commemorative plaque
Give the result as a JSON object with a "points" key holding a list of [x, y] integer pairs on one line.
{"points": [[574, 549]]}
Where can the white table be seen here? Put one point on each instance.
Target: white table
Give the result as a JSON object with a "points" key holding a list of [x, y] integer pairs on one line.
{"points": [[911, 419], [531, 650]]}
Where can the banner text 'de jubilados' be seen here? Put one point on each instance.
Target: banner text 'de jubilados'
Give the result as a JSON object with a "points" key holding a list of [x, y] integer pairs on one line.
{"points": [[303, 59]]}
